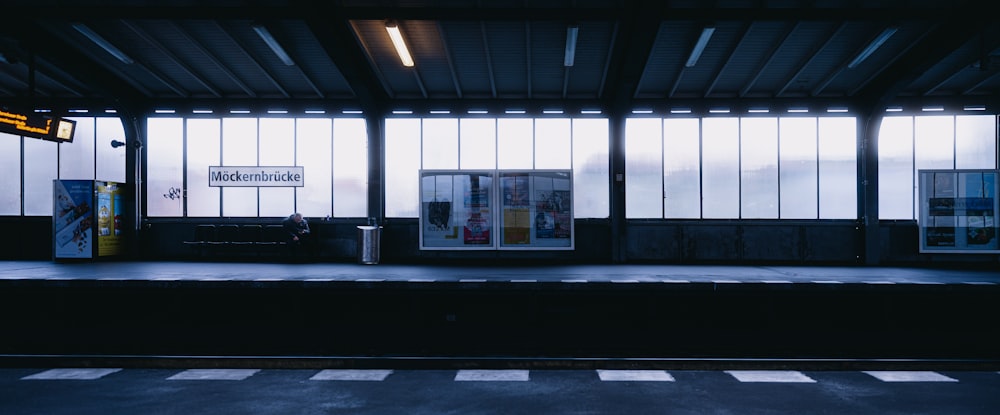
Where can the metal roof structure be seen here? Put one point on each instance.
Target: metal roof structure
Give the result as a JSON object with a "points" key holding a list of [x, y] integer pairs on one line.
{"points": [[861, 52]]}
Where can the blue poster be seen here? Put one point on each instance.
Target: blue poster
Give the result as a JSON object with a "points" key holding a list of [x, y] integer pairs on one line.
{"points": [[72, 218]]}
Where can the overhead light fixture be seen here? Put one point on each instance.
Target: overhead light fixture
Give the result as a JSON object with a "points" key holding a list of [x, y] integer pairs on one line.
{"points": [[272, 43], [872, 47], [699, 47], [397, 40], [103, 43], [571, 33]]}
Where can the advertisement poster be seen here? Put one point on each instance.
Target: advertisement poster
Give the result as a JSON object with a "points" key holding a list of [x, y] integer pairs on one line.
{"points": [[108, 219], [516, 226], [477, 229], [72, 218], [552, 214], [958, 211], [456, 210]]}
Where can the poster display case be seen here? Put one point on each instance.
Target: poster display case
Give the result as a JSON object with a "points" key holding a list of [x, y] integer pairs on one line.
{"points": [[456, 210], [958, 211], [86, 219], [496, 209]]}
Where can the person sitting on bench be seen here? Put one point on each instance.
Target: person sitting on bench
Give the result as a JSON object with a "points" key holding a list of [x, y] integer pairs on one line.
{"points": [[297, 229]]}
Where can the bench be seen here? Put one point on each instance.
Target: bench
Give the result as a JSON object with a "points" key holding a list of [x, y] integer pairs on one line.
{"points": [[232, 240]]}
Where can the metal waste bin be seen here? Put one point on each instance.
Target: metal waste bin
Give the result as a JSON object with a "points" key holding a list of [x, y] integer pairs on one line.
{"points": [[368, 244]]}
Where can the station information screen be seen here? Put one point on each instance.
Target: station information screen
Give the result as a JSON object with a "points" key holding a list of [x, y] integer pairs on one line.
{"points": [[37, 126]]}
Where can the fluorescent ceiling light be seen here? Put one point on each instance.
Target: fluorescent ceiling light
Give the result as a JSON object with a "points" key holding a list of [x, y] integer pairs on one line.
{"points": [[103, 43], [440, 112], [699, 47], [552, 111], [571, 33], [353, 112], [43, 110], [402, 112], [872, 47], [933, 108], [758, 110], [273, 44], [680, 110], [514, 111], [894, 109], [79, 111], [719, 110], [975, 108], [836, 109], [239, 111], [397, 40], [590, 111], [798, 110], [164, 111], [478, 112], [642, 111], [202, 111], [277, 111], [110, 111]]}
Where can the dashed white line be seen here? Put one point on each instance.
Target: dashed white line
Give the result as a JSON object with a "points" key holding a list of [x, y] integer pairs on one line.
{"points": [[71, 374], [676, 281], [421, 280], [879, 282], [214, 374], [634, 376], [370, 375], [492, 376], [770, 376], [574, 281], [472, 280], [776, 282], [369, 280], [727, 281], [910, 376], [978, 283], [624, 281], [827, 282], [523, 280]]}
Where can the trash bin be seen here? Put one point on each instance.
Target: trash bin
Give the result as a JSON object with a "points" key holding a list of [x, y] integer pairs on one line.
{"points": [[368, 244]]}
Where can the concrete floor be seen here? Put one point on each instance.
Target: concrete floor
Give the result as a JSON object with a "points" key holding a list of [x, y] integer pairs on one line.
{"points": [[235, 271], [243, 391]]}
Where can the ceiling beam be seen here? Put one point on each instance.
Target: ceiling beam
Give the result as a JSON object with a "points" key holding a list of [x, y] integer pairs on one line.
{"points": [[447, 58], [212, 58], [937, 45], [243, 50], [632, 46], [990, 41], [982, 82], [771, 54], [960, 11], [895, 58], [607, 60], [170, 55], [729, 59], [804, 65], [489, 60], [341, 42], [527, 53]]}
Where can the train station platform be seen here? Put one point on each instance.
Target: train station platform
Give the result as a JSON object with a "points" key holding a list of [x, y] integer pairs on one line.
{"points": [[556, 313]]}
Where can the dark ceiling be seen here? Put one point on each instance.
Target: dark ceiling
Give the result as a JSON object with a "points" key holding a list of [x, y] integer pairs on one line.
{"points": [[488, 50]]}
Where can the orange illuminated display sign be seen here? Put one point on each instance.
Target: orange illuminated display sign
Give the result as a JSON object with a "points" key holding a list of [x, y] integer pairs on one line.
{"points": [[30, 125]]}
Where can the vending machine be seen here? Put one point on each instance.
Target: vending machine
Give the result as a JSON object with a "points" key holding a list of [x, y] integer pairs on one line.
{"points": [[86, 219]]}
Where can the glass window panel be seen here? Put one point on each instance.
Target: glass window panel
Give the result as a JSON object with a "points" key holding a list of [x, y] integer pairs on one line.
{"points": [[976, 142], [313, 147], [681, 168], [277, 148], [402, 166], [41, 166], [895, 168], [165, 177], [239, 148], [515, 143], [203, 150], [933, 145], [759, 168], [10, 175], [838, 168], [478, 143], [797, 158], [590, 167], [440, 143], [552, 143], [721, 168], [643, 168], [76, 159], [350, 169], [110, 160]]}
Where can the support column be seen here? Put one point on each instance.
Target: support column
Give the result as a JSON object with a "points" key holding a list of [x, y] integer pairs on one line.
{"points": [[135, 173], [375, 121], [618, 226], [868, 128]]}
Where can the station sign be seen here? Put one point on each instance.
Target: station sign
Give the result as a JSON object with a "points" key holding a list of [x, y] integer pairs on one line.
{"points": [[256, 176]]}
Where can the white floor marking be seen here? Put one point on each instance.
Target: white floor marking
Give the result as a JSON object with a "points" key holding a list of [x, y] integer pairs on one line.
{"points": [[269, 279], [214, 374], [369, 280], [373, 375], [523, 280], [676, 281], [625, 281], [776, 282], [472, 280], [71, 374], [771, 376], [827, 282], [726, 281], [634, 376], [574, 281], [878, 282], [978, 283], [909, 376], [319, 279], [492, 376]]}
